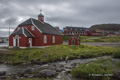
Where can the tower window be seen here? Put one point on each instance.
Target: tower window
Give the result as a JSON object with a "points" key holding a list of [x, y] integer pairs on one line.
{"points": [[33, 28]]}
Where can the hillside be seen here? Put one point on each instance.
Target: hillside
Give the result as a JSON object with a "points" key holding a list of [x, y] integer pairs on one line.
{"points": [[113, 27]]}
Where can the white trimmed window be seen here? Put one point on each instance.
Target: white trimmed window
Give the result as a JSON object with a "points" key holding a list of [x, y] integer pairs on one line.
{"points": [[33, 28], [53, 39], [45, 39]]}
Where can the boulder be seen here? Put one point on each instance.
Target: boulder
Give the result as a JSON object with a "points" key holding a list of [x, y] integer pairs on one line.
{"points": [[59, 69], [68, 71], [69, 67], [47, 73], [2, 73], [27, 71], [52, 67]]}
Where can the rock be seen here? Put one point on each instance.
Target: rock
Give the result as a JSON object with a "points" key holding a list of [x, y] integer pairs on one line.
{"points": [[2, 73], [29, 75], [59, 65], [59, 69], [52, 67], [47, 73], [27, 71], [68, 71], [3, 77], [74, 65], [69, 67]]}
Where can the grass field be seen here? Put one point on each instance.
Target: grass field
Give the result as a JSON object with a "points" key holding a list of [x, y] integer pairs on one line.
{"points": [[96, 38], [54, 53]]}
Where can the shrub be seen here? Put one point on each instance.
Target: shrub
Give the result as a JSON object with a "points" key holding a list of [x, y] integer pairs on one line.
{"points": [[94, 71], [116, 54]]}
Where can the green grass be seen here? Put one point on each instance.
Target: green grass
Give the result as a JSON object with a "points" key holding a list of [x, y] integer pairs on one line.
{"points": [[117, 53], [99, 38], [102, 69], [55, 53]]}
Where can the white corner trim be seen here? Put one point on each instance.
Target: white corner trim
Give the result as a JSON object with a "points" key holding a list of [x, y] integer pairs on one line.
{"points": [[35, 25], [29, 32], [23, 32]]}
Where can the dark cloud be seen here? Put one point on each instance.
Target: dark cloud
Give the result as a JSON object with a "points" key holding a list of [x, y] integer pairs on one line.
{"points": [[59, 12]]}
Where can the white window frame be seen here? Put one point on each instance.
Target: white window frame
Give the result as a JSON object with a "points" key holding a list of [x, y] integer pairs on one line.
{"points": [[30, 41], [53, 39], [14, 41], [33, 27], [45, 38]]}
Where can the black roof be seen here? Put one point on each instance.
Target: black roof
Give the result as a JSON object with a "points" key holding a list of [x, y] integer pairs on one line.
{"points": [[76, 29], [27, 22], [42, 26], [23, 31]]}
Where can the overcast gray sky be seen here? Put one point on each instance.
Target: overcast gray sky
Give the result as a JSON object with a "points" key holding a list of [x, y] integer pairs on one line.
{"points": [[79, 13]]}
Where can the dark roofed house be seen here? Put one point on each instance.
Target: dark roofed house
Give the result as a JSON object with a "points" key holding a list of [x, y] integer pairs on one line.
{"points": [[95, 32], [35, 33], [75, 30], [57, 28]]}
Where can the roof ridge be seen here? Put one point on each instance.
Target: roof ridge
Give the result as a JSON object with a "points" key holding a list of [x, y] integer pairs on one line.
{"points": [[35, 25], [29, 32], [16, 30], [23, 31]]}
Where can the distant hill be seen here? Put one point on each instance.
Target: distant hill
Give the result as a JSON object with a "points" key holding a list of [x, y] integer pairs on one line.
{"points": [[111, 27]]}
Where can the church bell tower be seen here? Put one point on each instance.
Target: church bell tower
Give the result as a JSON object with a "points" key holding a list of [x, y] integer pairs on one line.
{"points": [[41, 17]]}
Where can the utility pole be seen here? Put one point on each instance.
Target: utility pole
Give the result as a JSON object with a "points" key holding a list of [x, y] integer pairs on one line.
{"points": [[9, 32], [9, 27]]}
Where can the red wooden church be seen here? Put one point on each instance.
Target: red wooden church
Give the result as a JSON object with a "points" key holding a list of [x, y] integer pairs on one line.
{"points": [[35, 33]]}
